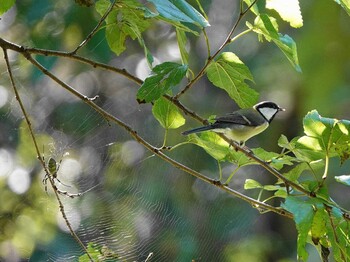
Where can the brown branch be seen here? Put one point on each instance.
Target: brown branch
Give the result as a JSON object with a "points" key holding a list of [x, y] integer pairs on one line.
{"points": [[97, 27], [333, 226], [39, 156], [26, 50], [211, 58], [156, 151]]}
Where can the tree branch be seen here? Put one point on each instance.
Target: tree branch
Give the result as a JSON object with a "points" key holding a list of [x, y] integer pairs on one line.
{"points": [[158, 152], [26, 50], [39, 156], [97, 27], [211, 58]]}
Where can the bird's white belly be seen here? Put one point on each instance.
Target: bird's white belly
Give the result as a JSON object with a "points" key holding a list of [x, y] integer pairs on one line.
{"points": [[242, 133]]}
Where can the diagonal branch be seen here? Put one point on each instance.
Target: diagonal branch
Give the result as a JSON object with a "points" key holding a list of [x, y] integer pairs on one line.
{"points": [[39, 156], [97, 27], [211, 58], [158, 152], [28, 51]]}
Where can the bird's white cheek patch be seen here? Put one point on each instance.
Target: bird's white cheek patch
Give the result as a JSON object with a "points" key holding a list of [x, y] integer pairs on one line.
{"points": [[268, 112]]}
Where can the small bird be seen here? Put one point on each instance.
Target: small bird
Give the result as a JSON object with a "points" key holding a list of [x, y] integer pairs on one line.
{"points": [[244, 123]]}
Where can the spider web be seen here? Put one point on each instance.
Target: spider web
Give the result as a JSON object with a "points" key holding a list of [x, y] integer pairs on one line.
{"points": [[134, 205]]}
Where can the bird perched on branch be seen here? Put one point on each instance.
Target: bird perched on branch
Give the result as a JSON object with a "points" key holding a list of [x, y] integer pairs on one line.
{"points": [[242, 124]]}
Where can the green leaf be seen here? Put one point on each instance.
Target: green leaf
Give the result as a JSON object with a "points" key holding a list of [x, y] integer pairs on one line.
{"points": [[167, 114], [296, 171], [342, 137], [319, 225], [288, 10], [289, 145], [345, 179], [324, 137], [303, 214], [93, 250], [345, 4], [5, 5], [164, 77], [213, 144], [340, 238], [180, 11], [266, 26], [102, 6], [275, 160], [115, 39], [253, 8], [99, 253], [130, 19], [229, 73], [178, 25], [251, 184], [281, 193], [181, 41], [271, 187]]}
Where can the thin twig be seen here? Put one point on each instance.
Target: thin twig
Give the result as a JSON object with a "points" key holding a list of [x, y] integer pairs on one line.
{"points": [[93, 32], [39, 156], [328, 209], [211, 58], [26, 50]]}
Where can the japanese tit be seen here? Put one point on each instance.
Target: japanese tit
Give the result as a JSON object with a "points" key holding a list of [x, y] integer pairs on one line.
{"points": [[244, 123]]}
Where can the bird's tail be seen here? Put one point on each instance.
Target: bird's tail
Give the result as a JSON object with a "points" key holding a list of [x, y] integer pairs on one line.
{"points": [[197, 130]]}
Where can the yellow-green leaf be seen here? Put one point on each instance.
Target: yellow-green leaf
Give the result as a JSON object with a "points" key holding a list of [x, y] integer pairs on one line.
{"points": [[213, 144], [288, 10], [5, 5], [167, 114], [229, 73]]}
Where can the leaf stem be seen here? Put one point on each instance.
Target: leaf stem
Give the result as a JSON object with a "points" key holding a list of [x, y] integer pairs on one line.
{"points": [[240, 35], [165, 137], [26, 50], [97, 27], [220, 170], [231, 175], [326, 166], [207, 42]]}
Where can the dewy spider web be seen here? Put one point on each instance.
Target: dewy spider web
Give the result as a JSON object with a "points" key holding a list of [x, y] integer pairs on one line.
{"points": [[138, 205]]}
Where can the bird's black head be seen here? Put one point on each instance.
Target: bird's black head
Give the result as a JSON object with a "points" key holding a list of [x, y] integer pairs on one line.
{"points": [[268, 109]]}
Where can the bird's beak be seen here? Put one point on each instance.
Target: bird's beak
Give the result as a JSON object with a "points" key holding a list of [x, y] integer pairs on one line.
{"points": [[281, 109]]}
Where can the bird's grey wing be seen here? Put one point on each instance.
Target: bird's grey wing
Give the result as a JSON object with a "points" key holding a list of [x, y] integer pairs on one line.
{"points": [[246, 117]]}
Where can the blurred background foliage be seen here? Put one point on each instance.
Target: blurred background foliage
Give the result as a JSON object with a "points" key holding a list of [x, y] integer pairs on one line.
{"points": [[139, 204]]}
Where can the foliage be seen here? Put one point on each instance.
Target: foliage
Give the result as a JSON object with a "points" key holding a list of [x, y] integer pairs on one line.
{"points": [[303, 166], [229, 73]]}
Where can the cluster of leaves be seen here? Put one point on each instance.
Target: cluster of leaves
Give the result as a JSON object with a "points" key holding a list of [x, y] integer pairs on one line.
{"points": [[129, 19], [318, 218]]}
